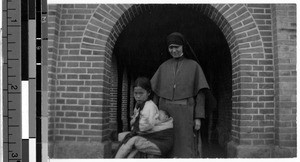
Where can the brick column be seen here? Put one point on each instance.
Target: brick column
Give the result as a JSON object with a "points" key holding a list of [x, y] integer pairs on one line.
{"points": [[113, 95], [79, 106], [284, 31], [53, 39], [124, 100]]}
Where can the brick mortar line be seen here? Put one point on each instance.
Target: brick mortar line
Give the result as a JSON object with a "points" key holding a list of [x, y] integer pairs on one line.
{"points": [[106, 36], [93, 18], [104, 17]]}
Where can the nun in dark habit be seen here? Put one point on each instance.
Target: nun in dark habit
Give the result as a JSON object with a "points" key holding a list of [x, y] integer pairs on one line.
{"points": [[178, 86]]}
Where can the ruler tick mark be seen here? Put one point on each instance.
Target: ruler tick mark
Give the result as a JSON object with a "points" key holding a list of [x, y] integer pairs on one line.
{"points": [[14, 159], [14, 92], [8, 142], [14, 25], [13, 125]]}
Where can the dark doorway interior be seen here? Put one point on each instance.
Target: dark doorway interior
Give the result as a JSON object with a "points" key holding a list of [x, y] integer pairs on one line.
{"points": [[141, 48]]}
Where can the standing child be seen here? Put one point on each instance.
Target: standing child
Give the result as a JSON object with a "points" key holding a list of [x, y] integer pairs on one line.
{"points": [[144, 135]]}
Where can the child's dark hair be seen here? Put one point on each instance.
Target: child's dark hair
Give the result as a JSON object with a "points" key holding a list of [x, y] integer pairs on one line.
{"points": [[166, 113], [144, 83]]}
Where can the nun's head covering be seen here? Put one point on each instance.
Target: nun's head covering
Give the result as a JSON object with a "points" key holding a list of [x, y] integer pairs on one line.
{"points": [[175, 39]]}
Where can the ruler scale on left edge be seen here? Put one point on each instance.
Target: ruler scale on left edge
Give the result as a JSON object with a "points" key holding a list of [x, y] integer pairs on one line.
{"points": [[12, 112]]}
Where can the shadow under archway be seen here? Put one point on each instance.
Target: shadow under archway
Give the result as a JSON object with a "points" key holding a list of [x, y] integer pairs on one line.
{"points": [[141, 48]]}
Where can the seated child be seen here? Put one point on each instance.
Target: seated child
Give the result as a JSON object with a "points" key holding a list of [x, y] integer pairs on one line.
{"points": [[156, 141]]}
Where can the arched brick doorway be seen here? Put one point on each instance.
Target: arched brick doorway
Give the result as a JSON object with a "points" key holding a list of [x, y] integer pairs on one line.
{"points": [[141, 48], [246, 48]]}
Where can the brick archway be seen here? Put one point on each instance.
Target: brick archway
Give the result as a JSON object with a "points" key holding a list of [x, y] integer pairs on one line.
{"points": [[242, 35], [81, 42]]}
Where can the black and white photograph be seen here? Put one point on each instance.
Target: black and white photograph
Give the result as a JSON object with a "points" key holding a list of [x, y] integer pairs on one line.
{"points": [[149, 80]]}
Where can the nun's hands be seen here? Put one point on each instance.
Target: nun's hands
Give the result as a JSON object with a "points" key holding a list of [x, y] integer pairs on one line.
{"points": [[197, 124]]}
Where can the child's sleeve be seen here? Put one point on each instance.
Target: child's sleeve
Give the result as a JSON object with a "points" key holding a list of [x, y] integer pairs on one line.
{"points": [[148, 117], [133, 117]]}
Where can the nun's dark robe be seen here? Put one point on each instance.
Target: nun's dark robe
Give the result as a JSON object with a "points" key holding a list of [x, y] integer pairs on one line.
{"points": [[178, 84]]}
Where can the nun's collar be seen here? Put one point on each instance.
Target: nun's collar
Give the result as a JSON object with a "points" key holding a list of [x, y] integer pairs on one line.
{"points": [[179, 58]]}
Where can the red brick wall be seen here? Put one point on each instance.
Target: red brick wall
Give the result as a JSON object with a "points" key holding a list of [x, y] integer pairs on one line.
{"points": [[284, 30], [250, 77], [82, 100], [264, 130], [113, 94], [79, 74], [124, 101], [53, 39]]}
